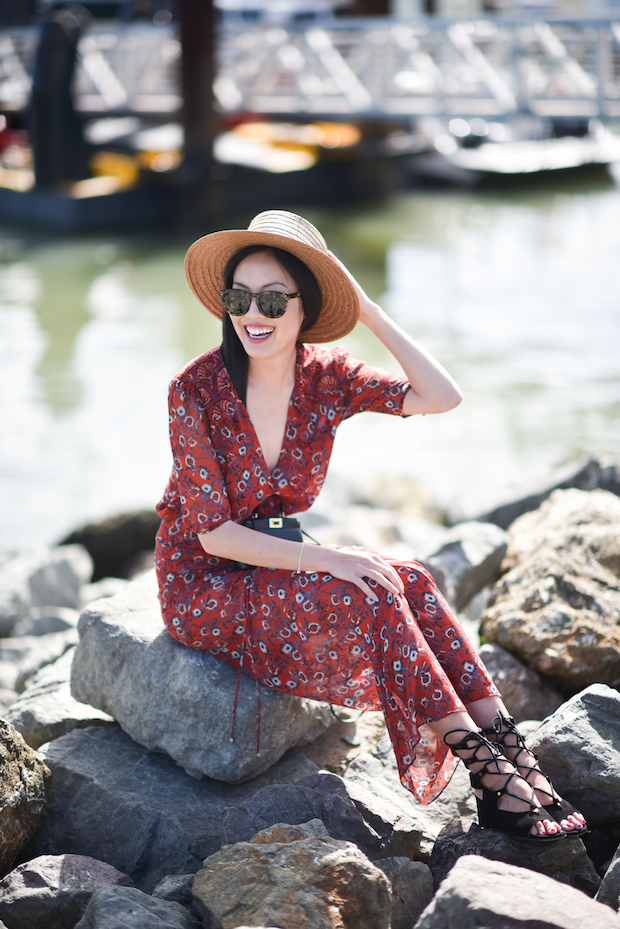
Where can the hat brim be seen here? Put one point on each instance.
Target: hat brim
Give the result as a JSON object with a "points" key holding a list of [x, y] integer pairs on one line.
{"points": [[206, 260]]}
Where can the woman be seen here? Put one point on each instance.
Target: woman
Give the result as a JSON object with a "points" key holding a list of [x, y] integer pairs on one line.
{"points": [[252, 425]]}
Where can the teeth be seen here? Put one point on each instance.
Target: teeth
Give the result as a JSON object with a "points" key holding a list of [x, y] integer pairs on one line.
{"points": [[255, 331]]}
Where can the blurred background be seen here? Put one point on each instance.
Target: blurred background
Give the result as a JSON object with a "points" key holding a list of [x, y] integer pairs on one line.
{"points": [[461, 156]]}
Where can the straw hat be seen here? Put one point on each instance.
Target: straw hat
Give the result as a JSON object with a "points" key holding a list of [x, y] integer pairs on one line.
{"points": [[206, 259]]}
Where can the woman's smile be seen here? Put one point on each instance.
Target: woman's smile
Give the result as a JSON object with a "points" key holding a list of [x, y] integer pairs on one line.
{"points": [[258, 333]]}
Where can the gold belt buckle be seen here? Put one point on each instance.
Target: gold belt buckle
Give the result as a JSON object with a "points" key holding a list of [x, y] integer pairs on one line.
{"points": [[275, 522]]}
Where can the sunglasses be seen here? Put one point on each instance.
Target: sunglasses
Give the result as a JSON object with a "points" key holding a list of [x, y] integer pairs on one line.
{"points": [[270, 303]]}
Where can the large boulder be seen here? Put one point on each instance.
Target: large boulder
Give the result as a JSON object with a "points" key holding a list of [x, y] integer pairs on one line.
{"points": [[558, 607], [526, 693], [468, 559], [481, 894], [579, 748], [180, 701], [24, 782], [38, 578], [609, 890], [565, 860], [297, 876], [53, 891], [114, 800], [129, 908], [45, 710]]}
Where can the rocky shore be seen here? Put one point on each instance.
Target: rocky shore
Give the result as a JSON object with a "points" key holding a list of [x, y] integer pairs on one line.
{"points": [[124, 802]]}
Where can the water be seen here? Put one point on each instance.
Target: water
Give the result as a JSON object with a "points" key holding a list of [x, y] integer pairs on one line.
{"points": [[516, 292]]}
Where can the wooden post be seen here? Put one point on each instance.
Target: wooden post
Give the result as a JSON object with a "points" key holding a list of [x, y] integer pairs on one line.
{"points": [[197, 35]]}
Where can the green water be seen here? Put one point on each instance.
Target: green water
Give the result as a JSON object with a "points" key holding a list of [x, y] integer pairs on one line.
{"points": [[516, 292]]}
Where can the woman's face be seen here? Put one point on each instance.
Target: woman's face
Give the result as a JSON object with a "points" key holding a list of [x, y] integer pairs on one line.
{"points": [[264, 338]]}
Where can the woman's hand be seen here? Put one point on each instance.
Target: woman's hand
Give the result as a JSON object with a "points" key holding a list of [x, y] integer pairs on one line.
{"points": [[354, 566]]}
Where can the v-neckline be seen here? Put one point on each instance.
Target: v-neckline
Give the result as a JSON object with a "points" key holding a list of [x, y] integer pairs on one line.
{"points": [[286, 422]]}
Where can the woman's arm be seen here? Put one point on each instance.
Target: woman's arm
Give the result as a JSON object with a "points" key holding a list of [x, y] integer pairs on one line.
{"points": [[432, 388], [230, 540]]}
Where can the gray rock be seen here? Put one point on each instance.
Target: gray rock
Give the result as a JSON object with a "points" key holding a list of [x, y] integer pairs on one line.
{"points": [[557, 609], [24, 782], [57, 581], [412, 889], [321, 796], [469, 558], [127, 665], [114, 543], [21, 658], [52, 892], [114, 800], [587, 474], [372, 780], [176, 888], [45, 710], [40, 577], [42, 620], [565, 860], [579, 748], [609, 891], [481, 894], [129, 908], [7, 699], [526, 694]]}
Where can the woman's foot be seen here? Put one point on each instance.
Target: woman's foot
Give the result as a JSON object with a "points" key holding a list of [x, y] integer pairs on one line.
{"points": [[509, 740], [505, 799]]}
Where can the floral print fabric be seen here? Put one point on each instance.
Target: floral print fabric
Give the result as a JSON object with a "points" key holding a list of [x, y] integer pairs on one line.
{"points": [[307, 634]]}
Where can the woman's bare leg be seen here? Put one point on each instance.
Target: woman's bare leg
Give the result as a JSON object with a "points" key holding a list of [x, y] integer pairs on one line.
{"points": [[483, 712]]}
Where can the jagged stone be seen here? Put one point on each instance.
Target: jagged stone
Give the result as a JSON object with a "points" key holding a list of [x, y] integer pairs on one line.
{"points": [[526, 694], [372, 781], [297, 876], [21, 658], [24, 782], [53, 891], [412, 889], [558, 607], [114, 800], [127, 665], [565, 860], [176, 888], [579, 748], [129, 908], [468, 559], [609, 890], [45, 710], [482, 894]]}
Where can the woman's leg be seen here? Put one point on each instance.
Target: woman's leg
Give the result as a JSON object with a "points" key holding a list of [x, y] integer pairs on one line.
{"points": [[498, 770], [490, 711]]}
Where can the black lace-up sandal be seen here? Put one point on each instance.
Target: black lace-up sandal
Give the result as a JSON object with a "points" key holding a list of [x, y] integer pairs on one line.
{"points": [[516, 824], [505, 734]]}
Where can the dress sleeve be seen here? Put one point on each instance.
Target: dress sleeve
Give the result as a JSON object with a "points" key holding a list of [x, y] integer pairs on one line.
{"points": [[196, 470], [370, 389]]}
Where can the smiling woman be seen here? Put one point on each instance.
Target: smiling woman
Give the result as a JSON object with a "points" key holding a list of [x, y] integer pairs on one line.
{"points": [[338, 624]]}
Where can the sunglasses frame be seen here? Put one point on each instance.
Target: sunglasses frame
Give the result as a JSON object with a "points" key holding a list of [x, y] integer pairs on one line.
{"points": [[257, 297]]}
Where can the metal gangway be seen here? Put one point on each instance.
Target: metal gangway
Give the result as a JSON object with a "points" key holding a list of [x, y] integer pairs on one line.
{"points": [[346, 69]]}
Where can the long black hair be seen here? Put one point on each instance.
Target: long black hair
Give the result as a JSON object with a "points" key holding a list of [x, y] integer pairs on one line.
{"points": [[234, 355]]}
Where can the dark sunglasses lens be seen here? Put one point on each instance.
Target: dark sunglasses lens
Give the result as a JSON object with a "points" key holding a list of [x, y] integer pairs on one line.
{"points": [[272, 304], [236, 302]]}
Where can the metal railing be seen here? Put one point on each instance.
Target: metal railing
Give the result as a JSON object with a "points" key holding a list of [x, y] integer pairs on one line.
{"points": [[378, 68]]}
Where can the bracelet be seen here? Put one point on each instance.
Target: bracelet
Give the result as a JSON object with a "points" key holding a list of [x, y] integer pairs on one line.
{"points": [[301, 551]]}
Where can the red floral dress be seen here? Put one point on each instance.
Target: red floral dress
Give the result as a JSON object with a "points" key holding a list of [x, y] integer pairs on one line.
{"points": [[306, 634]]}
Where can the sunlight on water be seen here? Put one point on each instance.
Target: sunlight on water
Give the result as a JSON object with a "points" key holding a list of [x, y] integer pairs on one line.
{"points": [[517, 296]]}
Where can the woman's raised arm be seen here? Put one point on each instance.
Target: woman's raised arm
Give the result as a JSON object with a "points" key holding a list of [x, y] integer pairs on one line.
{"points": [[432, 390]]}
